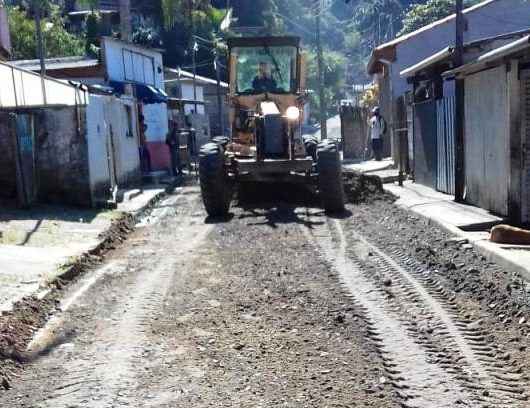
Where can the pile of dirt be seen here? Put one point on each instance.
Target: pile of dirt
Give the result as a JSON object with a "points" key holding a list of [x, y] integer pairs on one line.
{"points": [[16, 330], [18, 326], [364, 188]]}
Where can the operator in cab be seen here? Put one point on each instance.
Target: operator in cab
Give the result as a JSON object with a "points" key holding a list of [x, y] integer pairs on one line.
{"points": [[264, 82]]}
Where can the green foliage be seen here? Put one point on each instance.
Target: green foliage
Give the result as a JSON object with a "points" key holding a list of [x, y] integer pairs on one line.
{"points": [[179, 11], [92, 4], [58, 42], [93, 21], [334, 79], [420, 15]]}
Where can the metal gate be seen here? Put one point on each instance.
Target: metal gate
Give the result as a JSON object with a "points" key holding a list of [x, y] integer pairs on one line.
{"points": [[425, 151], [445, 112]]}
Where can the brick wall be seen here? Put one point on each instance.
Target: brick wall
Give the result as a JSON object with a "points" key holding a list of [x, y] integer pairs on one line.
{"points": [[62, 156]]}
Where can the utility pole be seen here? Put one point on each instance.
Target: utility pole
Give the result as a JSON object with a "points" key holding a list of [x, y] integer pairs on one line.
{"points": [[193, 52], [459, 105], [37, 11], [323, 107], [125, 20], [219, 97]]}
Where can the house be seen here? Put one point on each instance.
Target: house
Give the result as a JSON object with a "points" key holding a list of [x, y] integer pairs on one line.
{"points": [[63, 144], [431, 104], [486, 19], [125, 69], [497, 131], [202, 107]]}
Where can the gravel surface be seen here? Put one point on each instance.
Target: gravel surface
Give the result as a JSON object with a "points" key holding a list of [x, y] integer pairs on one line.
{"points": [[282, 306], [238, 313], [497, 299]]}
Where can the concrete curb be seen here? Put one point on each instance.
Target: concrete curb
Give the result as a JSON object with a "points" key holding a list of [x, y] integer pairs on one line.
{"points": [[77, 266], [491, 254]]}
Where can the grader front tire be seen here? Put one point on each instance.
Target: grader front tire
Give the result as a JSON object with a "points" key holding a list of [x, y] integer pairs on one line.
{"points": [[330, 184], [215, 186]]}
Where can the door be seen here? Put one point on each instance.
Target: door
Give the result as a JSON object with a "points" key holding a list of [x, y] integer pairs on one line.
{"points": [[445, 110], [425, 149], [25, 149]]}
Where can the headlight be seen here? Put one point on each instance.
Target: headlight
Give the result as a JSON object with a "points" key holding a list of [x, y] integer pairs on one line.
{"points": [[292, 113]]}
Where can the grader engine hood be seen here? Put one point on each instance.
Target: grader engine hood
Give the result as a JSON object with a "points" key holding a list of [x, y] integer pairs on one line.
{"points": [[269, 108]]}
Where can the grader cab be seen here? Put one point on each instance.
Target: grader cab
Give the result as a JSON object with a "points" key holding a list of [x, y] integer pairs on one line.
{"points": [[267, 98]]}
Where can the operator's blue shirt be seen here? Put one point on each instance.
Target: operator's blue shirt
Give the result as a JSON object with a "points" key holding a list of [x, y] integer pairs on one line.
{"points": [[262, 85]]}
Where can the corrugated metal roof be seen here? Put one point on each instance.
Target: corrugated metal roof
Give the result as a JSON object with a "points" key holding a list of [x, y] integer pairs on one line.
{"points": [[187, 76], [388, 48], [57, 63], [439, 56], [428, 27], [26, 89], [491, 56], [477, 47]]}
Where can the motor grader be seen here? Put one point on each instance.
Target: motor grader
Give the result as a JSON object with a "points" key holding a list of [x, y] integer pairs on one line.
{"points": [[267, 97]]}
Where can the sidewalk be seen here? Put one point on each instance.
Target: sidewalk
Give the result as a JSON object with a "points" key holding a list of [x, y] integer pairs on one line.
{"points": [[37, 245], [383, 169], [368, 166], [467, 222]]}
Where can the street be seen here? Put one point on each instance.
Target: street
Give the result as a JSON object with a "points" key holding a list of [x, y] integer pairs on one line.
{"points": [[280, 305]]}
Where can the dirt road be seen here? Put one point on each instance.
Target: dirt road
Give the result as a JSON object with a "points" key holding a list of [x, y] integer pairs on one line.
{"points": [[282, 306]]}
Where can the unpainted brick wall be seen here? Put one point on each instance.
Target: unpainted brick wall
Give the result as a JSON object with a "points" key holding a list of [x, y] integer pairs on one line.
{"points": [[62, 156]]}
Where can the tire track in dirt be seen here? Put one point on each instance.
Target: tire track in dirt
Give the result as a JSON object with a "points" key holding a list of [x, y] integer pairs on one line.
{"points": [[450, 366], [109, 372]]}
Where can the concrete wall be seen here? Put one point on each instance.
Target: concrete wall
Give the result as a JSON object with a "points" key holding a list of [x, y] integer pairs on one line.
{"points": [[112, 145]]}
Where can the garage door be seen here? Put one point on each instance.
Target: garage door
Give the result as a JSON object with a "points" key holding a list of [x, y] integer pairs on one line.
{"points": [[486, 140]]}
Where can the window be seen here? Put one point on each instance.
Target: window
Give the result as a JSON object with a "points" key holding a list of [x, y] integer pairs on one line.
{"points": [[266, 69], [128, 111], [138, 67]]}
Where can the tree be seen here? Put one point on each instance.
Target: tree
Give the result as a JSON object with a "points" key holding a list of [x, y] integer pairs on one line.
{"points": [[420, 15], [59, 43]]}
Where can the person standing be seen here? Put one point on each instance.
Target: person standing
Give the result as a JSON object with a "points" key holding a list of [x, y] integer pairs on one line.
{"points": [[377, 131], [173, 142]]}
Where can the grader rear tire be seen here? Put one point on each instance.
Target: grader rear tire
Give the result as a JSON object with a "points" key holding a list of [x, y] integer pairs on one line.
{"points": [[330, 184], [215, 186]]}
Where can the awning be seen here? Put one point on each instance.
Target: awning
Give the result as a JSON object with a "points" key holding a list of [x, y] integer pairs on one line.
{"points": [[145, 93]]}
